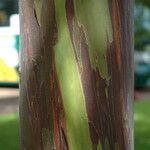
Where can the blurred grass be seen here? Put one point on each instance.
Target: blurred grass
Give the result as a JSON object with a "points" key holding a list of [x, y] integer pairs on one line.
{"points": [[142, 125], [9, 128], [9, 132]]}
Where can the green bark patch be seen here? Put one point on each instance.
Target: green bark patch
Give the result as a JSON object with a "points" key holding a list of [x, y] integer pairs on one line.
{"points": [[99, 146], [38, 10], [94, 16], [78, 135]]}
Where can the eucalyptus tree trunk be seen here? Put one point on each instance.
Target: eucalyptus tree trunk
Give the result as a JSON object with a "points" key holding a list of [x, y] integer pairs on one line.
{"points": [[76, 75]]}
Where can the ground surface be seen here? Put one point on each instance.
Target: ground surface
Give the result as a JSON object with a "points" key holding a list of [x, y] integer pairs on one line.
{"points": [[9, 120], [9, 100]]}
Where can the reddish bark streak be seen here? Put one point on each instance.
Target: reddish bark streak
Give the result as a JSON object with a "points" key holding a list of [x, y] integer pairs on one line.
{"points": [[58, 113]]}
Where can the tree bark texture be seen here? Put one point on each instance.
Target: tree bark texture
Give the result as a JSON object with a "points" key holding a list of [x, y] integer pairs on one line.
{"points": [[76, 85]]}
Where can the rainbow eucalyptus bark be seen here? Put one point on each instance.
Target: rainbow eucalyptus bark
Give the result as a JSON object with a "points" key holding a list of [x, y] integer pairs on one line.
{"points": [[76, 75]]}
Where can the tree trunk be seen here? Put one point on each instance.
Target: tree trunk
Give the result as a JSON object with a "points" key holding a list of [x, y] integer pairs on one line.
{"points": [[76, 85]]}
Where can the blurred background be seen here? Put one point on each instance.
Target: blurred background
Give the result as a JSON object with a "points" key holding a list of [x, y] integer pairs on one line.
{"points": [[9, 48]]}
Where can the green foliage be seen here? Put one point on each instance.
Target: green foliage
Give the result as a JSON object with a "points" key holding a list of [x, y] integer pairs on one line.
{"points": [[141, 36], [142, 33], [144, 2]]}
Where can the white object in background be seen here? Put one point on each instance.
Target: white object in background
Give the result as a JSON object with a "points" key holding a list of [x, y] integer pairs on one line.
{"points": [[14, 24], [10, 57], [7, 42]]}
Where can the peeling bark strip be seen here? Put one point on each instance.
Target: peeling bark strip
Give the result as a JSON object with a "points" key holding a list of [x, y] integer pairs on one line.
{"points": [[76, 75]]}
